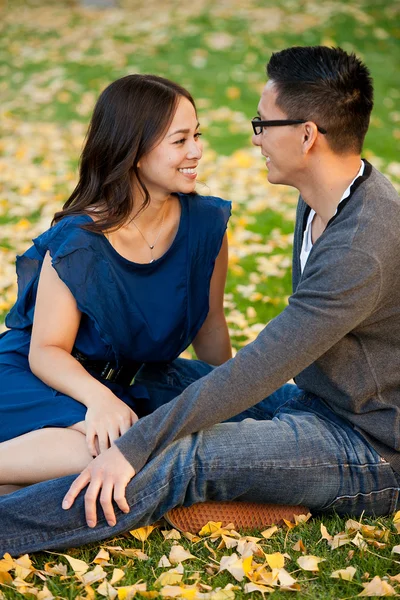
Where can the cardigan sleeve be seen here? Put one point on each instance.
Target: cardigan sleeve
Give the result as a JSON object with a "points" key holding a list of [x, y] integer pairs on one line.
{"points": [[339, 289]]}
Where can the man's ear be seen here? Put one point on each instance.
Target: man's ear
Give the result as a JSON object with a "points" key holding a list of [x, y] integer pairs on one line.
{"points": [[310, 133]]}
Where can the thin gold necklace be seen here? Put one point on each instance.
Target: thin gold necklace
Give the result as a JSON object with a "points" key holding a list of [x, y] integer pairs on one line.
{"points": [[151, 246]]}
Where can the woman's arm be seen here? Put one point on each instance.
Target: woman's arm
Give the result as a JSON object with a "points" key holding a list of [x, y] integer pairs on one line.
{"points": [[212, 343], [55, 327]]}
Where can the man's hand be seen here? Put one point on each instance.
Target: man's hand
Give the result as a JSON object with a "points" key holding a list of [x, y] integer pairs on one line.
{"points": [[108, 474]]}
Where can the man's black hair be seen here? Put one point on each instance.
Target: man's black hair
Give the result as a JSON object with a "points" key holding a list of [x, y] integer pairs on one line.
{"points": [[328, 86]]}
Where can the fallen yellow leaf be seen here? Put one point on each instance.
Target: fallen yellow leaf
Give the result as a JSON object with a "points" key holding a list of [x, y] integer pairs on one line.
{"points": [[142, 533], [210, 527], [275, 560], [309, 562], [256, 587], [346, 574], [107, 590], [171, 534], [269, 532], [178, 554], [78, 566], [377, 587], [96, 574], [101, 557], [117, 575]]}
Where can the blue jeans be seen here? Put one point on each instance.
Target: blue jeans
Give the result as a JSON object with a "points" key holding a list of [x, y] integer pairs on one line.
{"points": [[288, 449]]}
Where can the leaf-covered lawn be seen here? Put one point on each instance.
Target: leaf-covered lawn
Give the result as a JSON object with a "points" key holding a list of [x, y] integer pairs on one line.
{"points": [[353, 558], [55, 58]]}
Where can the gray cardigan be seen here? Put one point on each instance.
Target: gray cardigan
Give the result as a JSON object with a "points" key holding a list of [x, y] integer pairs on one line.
{"points": [[339, 336]]}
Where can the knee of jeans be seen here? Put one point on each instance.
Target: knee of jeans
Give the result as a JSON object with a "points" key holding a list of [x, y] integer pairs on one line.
{"points": [[185, 371]]}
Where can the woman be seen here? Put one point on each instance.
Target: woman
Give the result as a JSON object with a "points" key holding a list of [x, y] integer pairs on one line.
{"points": [[132, 271]]}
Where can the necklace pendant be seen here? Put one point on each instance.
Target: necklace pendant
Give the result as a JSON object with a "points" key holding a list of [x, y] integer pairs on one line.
{"points": [[151, 261], [151, 247]]}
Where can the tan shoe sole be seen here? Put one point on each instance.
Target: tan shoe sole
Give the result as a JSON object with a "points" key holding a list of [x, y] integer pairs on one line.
{"points": [[243, 515]]}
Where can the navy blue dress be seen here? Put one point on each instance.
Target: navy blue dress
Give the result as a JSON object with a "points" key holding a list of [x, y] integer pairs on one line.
{"points": [[139, 312]]}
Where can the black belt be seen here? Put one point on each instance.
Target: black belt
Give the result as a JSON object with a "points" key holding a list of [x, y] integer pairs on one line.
{"points": [[123, 374]]}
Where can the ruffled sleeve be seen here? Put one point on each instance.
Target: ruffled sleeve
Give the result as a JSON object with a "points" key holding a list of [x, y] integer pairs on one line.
{"points": [[209, 217], [76, 256]]}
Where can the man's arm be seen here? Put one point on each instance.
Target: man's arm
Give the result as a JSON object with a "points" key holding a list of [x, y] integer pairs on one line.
{"points": [[339, 290]]}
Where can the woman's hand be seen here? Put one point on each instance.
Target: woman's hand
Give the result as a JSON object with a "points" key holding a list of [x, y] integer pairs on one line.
{"points": [[106, 420], [108, 474]]}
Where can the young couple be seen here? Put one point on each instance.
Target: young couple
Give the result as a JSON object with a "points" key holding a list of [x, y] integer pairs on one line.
{"points": [[133, 271]]}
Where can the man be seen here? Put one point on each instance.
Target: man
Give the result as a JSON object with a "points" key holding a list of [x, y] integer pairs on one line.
{"points": [[334, 439]]}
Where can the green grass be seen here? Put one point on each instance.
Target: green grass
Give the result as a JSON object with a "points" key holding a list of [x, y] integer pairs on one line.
{"points": [[60, 50], [369, 562]]}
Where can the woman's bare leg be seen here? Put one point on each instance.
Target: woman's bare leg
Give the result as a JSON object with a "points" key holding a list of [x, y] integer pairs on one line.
{"points": [[8, 489], [43, 454]]}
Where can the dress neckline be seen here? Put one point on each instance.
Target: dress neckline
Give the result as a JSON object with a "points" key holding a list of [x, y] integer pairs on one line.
{"points": [[155, 262]]}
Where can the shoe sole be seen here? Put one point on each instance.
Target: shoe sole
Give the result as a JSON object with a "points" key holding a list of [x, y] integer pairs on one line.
{"points": [[243, 515]]}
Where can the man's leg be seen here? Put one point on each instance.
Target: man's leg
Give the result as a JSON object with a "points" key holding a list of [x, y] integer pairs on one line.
{"points": [[165, 381], [298, 457]]}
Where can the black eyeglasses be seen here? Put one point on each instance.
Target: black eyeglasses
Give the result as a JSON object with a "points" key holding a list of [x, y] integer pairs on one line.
{"points": [[258, 124]]}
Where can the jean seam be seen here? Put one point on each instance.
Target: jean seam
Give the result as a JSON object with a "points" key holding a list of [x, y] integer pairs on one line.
{"points": [[364, 495]]}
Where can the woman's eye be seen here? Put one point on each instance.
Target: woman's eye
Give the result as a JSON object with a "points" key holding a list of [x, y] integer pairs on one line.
{"points": [[182, 141], [197, 135]]}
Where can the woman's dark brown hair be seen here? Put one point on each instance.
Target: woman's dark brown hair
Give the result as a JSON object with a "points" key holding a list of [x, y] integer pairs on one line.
{"points": [[130, 117]]}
